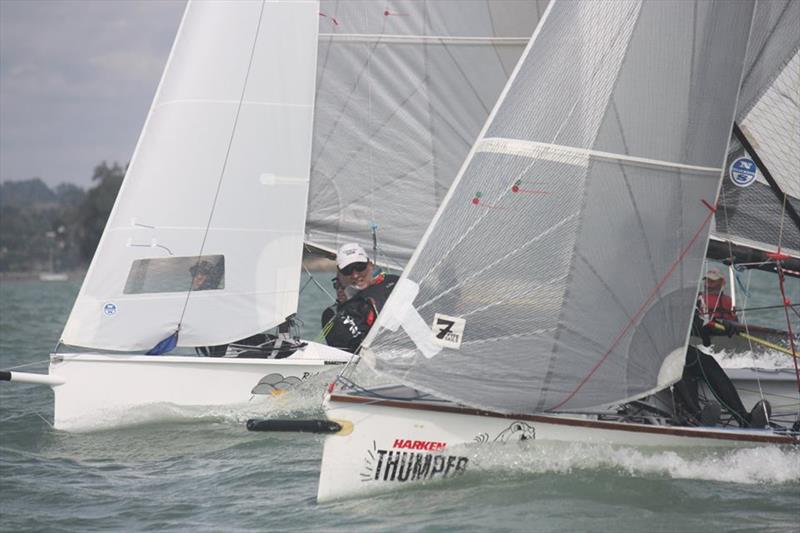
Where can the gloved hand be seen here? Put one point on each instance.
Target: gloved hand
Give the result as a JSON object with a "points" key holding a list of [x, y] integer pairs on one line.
{"points": [[731, 329]]}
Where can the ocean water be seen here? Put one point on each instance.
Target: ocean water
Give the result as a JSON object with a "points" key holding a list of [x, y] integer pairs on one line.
{"points": [[208, 473]]}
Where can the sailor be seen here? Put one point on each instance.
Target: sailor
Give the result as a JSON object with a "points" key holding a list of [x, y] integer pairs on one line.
{"points": [[714, 314], [204, 276], [339, 285], [365, 288]]}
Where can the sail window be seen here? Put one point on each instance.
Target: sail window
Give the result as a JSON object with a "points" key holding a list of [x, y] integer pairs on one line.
{"points": [[176, 274]]}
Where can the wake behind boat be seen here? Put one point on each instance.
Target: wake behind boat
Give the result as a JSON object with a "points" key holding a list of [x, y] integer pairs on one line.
{"points": [[588, 199]]}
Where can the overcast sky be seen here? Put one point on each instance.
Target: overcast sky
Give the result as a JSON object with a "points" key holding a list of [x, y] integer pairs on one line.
{"points": [[76, 81]]}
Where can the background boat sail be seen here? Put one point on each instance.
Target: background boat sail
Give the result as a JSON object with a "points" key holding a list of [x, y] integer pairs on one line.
{"points": [[758, 218], [403, 90], [561, 270], [221, 175]]}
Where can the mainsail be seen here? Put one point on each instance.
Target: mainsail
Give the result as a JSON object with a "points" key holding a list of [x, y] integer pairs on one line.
{"points": [[218, 183], [403, 89], [561, 270], [769, 115]]}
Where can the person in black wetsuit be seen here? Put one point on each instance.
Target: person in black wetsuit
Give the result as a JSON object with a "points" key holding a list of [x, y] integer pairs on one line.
{"points": [[365, 289]]}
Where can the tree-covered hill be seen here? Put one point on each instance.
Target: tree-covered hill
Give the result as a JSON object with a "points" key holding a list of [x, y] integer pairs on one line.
{"points": [[65, 223]]}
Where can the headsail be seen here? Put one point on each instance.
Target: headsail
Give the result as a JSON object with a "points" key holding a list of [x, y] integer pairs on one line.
{"points": [[402, 93], [570, 246], [769, 116], [219, 181]]}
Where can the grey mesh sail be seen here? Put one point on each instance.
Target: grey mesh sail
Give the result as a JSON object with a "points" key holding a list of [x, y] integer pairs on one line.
{"points": [[572, 242], [403, 89]]}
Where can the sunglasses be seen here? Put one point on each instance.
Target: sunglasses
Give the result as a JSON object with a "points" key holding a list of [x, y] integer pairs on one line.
{"points": [[357, 267]]}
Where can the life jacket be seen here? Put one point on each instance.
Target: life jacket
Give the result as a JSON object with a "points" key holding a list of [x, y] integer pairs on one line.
{"points": [[716, 306], [355, 317]]}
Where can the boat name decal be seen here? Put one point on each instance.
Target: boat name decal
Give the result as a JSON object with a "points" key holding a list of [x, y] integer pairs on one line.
{"points": [[392, 465], [428, 445]]}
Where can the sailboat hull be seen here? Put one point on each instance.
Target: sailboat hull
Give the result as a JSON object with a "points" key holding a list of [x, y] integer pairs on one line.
{"points": [[385, 444], [101, 390]]}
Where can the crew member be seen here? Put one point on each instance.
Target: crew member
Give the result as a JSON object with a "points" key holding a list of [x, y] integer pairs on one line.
{"points": [[714, 309], [365, 289]]}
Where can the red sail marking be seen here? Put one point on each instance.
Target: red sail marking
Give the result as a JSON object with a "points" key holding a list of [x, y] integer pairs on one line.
{"points": [[641, 309]]}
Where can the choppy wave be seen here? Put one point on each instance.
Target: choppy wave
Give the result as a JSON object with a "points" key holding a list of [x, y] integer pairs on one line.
{"points": [[767, 465]]}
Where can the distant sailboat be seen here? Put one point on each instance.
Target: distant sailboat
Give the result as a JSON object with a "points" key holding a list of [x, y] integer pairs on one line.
{"points": [[276, 125], [555, 287], [51, 274]]}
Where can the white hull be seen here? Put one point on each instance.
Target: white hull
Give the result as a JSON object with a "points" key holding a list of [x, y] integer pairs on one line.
{"points": [[103, 390], [386, 444]]}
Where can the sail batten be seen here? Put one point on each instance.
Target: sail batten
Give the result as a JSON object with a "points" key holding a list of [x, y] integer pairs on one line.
{"points": [[574, 234]]}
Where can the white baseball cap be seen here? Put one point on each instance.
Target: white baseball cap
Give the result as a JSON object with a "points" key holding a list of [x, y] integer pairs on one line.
{"points": [[350, 253], [714, 275]]}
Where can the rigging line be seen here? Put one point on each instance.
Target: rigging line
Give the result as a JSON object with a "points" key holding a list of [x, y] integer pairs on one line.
{"points": [[756, 61], [23, 365], [597, 69], [312, 278], [227, 155], [630, 323], [766, 307], [372, 134], [431, 112], [494, 33], [740, 135], [789, 324], [396, 179], [724, 205], [401, 106], [471, 85], [345, 104]]}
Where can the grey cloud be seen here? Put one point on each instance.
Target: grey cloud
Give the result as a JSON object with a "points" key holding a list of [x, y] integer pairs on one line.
{"points": [[76, 81]]}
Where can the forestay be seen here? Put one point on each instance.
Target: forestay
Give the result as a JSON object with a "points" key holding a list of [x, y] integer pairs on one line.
{"points": [[570, 246], [403, 90], [219, 179], [769, 115]]}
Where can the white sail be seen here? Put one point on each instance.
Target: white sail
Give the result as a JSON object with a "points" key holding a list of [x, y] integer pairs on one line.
{"points": [[402, 91], [561, 270], [220, 176]]}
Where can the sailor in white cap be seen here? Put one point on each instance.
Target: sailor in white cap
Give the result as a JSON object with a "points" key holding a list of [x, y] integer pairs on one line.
{"points": [[366, 288]]}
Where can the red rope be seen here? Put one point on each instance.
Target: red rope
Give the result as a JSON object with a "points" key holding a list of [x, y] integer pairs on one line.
{"points": [[641, 309], [786, 305]]}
